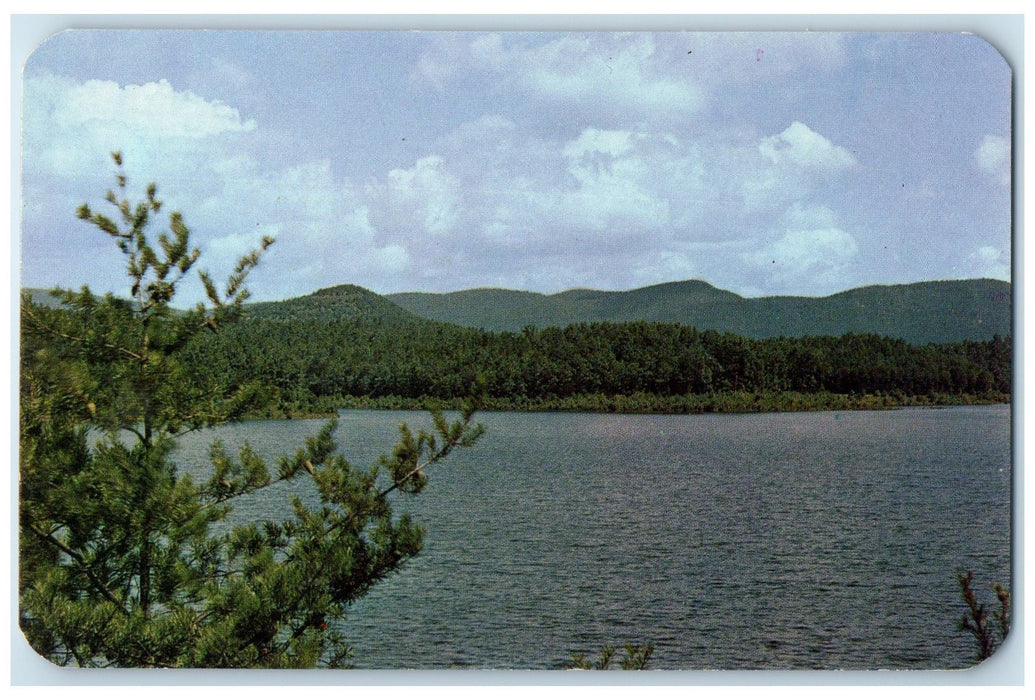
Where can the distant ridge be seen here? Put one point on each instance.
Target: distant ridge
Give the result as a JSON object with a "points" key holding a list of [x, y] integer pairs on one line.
{"points": [[920, 313], [346, 302]]}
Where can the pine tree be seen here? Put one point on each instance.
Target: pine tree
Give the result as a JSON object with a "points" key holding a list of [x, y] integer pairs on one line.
{"points": [[124, 560]]}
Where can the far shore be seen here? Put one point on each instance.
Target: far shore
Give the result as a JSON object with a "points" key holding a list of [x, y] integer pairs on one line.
{"points": [[718, 402]]}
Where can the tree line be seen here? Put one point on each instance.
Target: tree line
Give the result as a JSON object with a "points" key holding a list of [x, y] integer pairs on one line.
{"points": [[307, 363]]}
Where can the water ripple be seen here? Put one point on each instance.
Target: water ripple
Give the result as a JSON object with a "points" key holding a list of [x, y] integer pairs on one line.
{"points": [[729, 542]]}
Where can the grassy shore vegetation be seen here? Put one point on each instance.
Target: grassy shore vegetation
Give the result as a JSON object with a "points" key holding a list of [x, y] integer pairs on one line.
{"points": [[639, 403]]}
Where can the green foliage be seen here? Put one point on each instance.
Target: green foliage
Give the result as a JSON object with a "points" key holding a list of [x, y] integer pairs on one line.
{"points": [[345, 301], [988, 633], [636, 658], [344, 344], [125, 561]]}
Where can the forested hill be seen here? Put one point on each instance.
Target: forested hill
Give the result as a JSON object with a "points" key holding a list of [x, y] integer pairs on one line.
{"points": [[345, 302], [920, 313], [344, 345]]}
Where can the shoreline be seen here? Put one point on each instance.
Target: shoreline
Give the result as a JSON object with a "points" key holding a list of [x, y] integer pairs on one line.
{"points": [[642, 404]]}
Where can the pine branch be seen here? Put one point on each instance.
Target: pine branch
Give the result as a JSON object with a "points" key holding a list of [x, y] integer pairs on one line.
{"points": [[43, 326], [86, 569]]}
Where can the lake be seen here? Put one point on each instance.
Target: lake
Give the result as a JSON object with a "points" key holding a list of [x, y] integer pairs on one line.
{"points": [[775, 541]]}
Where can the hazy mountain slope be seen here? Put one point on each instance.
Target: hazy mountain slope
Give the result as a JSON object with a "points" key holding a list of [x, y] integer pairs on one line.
{"points": [[920, 313], [345, 302], [42, 296], [923, 312]]}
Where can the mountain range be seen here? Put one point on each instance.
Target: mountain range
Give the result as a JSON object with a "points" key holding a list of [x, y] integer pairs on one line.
{"points": [[919, 313]]}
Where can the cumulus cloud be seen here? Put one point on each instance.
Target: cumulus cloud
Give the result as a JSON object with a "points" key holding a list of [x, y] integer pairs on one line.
{"points": [[800, 252], [152, 107], [810, 251], [801, 216], [206, 159], [608, 142], [614, 182], [513, 200], [428, 192], [786, 166], [70, 127], [553, 159], [490, 200], [322, 223], [516, 189], [580, 67], [800, 146], [659, 76], [665, 265]]}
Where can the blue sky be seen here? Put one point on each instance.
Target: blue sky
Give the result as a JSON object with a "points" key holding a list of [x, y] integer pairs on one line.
{"points": [[764, 163]]}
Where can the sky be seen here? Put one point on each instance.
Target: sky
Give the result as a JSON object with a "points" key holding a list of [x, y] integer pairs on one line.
{"points": [[764, 163]]}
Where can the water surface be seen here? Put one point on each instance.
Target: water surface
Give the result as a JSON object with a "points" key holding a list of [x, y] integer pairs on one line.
{"points": [[805, 540]]}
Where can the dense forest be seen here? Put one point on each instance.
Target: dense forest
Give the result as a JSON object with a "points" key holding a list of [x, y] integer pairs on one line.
{"points": [[382, 356], [346, 346]]}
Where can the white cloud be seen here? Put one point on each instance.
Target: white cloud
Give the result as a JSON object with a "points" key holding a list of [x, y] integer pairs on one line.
{"points": [[516, 190], [787, 166], [207, 162], [513, 199], [666, 265], [993, 262], [993, 157], [800, 216], [809, 260], [809, 252], [612, 143], [616, 182], [152, 108], [988, 254], [427, 192], [657, 74], [488, 50], [70, 128], [622, 70], [800, 146], [489, 197], [992, 153], [391, 258], [801, 251], [323, 225]]}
